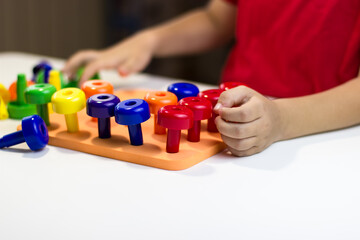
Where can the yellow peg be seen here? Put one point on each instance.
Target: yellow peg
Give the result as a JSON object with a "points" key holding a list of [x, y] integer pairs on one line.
{"points": [[54, 79], [3, 111], [4, 94], [69, 101]]}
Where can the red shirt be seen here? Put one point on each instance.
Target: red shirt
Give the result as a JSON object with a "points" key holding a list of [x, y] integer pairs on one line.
{"points": [[289, 48]]}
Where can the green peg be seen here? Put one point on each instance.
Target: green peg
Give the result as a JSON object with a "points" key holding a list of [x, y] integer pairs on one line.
{"points": [[75, 82], [40, 94], [19, 109]]}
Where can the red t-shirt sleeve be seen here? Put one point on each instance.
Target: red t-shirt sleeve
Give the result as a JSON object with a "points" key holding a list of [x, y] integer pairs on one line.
{"points": [[232, 1]]}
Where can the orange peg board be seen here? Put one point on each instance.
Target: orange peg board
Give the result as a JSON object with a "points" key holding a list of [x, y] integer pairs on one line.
{"points": [[152, 153]]}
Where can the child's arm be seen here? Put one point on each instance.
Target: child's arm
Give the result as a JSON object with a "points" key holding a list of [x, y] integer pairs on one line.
{"points": [[259, 122], [194, 32]]}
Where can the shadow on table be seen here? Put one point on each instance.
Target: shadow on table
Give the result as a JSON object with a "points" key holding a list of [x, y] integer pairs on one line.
{"points": [[27, 153], [281, 154]]}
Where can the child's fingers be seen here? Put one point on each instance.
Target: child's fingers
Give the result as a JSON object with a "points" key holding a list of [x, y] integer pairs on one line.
{"points": [[235, 96], [240, 144], [245, 153], [247, 112], [236, 130], [90, 70], [133, 65], [77, 60]]}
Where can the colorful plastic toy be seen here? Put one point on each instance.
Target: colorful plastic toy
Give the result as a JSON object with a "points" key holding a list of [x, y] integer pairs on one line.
{"points": [[69, 101], [34, 132], [156, 100], [93, 87], [175, 118], [4, 99], [19, 109], [133, 112], [40, 94], [182, 90], [213, 96], [229, 85], [41, 72], [55, 79], [202, 109], [13, 89], [102, 107]]}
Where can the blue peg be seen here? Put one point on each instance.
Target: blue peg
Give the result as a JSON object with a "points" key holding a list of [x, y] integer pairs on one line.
{"points": [[41, 72], [102, 106], [34, 132], [133, 112], [183, 90]]}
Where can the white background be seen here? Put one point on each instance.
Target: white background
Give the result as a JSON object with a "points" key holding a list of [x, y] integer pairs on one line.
{"points": [[306, 188]]}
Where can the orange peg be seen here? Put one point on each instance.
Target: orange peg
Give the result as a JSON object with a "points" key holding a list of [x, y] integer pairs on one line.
{"points": [[157, 100]]}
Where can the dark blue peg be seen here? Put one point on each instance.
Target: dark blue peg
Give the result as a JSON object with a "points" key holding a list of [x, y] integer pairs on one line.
{"points": [[34, 132], [183, 90], [102, 107], [41, 72], [133, 112]]}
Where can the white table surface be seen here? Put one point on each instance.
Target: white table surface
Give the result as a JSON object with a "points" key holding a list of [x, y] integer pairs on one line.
{"points": [[306, 188]]}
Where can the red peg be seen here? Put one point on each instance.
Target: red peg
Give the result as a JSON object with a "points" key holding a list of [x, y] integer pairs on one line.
{"points": [[229, 85], [213, 96], [202, 109], [175, 118]]}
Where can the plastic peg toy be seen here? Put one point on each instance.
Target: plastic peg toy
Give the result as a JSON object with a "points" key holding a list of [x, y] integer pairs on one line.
{"points": [[40, 94], [229, 85], [55, 79], [3, 111], [13, 89], [34, 133], [69, 101], [41, 72], [213, 96], [4, 94], [74, 82], [4, 99], [202, 109], [157, 100], [102, 107], [19, 109], [93, 87], [182, 90], [133, 112], [175, 118]]}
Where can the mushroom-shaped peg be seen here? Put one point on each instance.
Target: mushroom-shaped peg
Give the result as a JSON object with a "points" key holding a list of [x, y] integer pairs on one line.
{"points": [[202, 109], [102, 107], [228, 85], [19, 109], [182, 90], [34, 133], [4, 93], [175, 118], [41, 72], [40, 94], [156, 100], [133, 112], [4, 99], [93, 87], [13, 89], [69, 101], [55, 79], [213, 96]]}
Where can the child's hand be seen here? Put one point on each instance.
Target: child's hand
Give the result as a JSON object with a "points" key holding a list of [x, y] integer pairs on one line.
{"points": [[248, 121], [129, 56]]}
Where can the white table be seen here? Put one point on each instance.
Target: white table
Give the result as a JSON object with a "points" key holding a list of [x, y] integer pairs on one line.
{"points": [[306, 188]]}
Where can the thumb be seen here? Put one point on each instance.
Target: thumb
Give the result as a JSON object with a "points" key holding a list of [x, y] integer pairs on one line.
{"points": [[234, 97]]}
